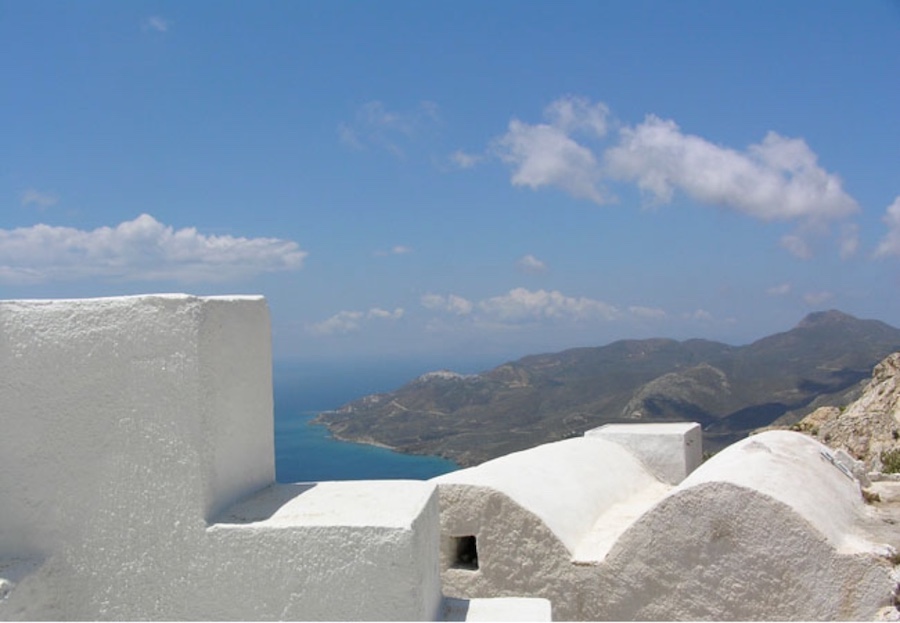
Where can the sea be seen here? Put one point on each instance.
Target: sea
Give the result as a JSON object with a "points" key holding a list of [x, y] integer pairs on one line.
{"points": [[306, 452]]}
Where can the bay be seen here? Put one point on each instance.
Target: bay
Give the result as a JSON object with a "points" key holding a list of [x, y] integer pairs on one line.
{"points": [[305, 452]]}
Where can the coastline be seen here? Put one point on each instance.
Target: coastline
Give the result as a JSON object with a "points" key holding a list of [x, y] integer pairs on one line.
{"points": [[367, 441]]}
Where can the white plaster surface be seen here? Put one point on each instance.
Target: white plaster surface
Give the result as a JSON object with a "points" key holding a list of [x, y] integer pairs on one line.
{"points": [[566, 484], [535, 512], [360, 550], [791, 468], [671, 450], [100, 395], [766, 530], [130, 426], [497, 609]]}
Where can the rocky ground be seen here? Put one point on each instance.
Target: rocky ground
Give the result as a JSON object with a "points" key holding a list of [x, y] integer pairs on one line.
{"points": [[868, 430], [884, 524]]}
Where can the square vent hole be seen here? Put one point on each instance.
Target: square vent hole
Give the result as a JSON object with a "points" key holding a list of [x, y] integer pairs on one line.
{"points": [[465, 553]]}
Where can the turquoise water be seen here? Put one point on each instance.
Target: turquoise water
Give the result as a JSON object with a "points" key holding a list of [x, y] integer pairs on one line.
{"points": [[305, 452]]}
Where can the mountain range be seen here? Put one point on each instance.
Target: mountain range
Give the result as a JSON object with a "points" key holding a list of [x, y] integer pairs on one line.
{"points": [[729, 390]]}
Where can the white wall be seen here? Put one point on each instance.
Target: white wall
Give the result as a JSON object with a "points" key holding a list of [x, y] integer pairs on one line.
{"points": [[670, 450], [105, 396], [130, 428]]}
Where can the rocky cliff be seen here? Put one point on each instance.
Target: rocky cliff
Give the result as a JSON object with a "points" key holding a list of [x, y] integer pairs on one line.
{"points": [[869, 427]]}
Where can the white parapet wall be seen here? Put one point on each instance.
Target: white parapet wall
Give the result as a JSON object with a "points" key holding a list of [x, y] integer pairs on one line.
{"points": [[145, 394], [137, 479], [359, 550], [671, 450]]}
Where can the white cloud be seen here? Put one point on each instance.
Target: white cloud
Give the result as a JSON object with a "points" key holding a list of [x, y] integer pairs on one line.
{"points": [[39, 199], [345, 322], [377, 312], [143, 249], [573, 114], [531, 265], [545, 154], [777, 179], [465, 160], [890, 244], [849, 240], [395, 250], [376, 126], [796, 246], [700, 315], [156, 23], [348, 137], [341, 322], [814, 299], [781, 289], [649, 313], [521, 305], [452, 303]]}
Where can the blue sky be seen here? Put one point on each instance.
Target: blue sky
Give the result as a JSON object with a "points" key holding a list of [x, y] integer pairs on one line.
{"points": [[458, 180]]}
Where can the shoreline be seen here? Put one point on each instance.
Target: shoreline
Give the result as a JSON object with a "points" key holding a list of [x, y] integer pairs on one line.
{"points": [[368, 441], [364, 441]]}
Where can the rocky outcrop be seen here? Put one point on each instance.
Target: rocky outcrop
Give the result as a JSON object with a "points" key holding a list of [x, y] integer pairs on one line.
{"points": [[869, 428]]}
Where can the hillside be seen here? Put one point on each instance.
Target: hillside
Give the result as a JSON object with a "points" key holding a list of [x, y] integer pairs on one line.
{"points": [[729, 390]]}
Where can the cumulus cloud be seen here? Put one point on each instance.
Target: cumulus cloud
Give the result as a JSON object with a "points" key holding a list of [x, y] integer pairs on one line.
{"points": [[648, 313], [546, 154], [781, 289], [351, 321], [143, 249], [377, 312], [38, 199], [376, 126], [451, 303], [577, 115], [890, 244], [777, 179], [521, 305], [796, 246], [531, 265], [341, 322], [465, 160]]}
